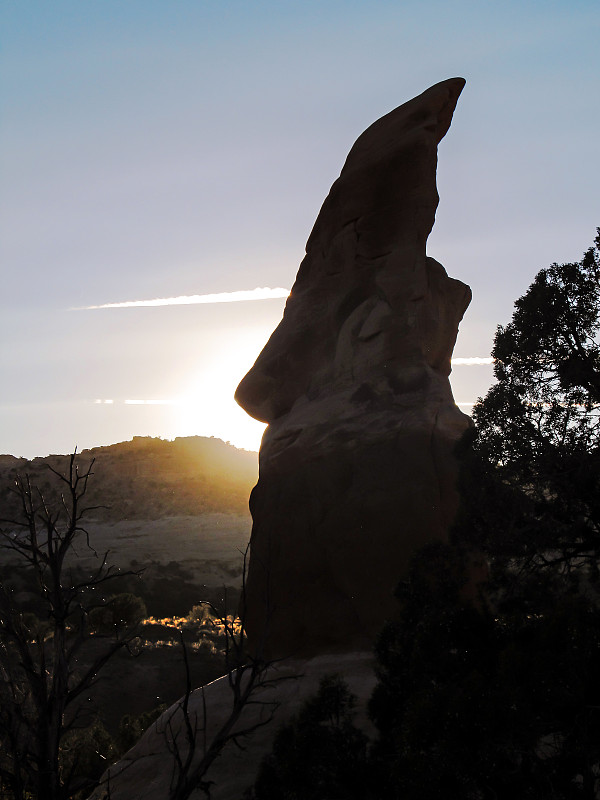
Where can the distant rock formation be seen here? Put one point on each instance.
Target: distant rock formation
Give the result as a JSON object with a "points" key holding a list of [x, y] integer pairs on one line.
{"points": [[147, 478], [356, 465]]}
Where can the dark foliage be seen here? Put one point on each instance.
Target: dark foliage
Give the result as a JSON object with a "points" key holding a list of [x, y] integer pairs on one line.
{"points": [[131, 728], [319, 754], [481, 703], [472, 702], [532, 473], [120, 612]]}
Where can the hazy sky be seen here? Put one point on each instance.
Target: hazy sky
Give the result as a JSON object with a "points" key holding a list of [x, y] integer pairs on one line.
{"points": [[184, 147]]}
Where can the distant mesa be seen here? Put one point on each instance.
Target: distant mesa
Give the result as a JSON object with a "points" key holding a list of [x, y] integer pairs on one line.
{"points": [[148, 478], [356, 465]]}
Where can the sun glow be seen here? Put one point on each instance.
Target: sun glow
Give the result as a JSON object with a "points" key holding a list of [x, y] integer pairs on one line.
{"points": [[206, 406], [198, 401]]}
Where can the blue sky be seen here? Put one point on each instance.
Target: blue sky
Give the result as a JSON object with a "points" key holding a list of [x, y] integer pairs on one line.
{"points": [[156, 149]]}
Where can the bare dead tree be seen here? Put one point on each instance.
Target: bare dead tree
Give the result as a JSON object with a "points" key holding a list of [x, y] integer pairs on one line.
{"points": [[40, 675], [186, 730]]}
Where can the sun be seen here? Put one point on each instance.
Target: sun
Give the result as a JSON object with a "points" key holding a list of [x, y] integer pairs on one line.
{"points": [[206, 406]]}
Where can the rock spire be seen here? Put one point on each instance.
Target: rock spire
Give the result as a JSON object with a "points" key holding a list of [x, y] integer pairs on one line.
{"points": [[356, 464]]}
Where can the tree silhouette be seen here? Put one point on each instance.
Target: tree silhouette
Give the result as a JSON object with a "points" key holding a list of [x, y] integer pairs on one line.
{"points": [[319, 753], [531, 475], [486, 701], [41, 678]]}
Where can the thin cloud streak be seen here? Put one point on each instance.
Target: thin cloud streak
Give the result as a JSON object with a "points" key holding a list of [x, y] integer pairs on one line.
{"points": [[471, 362], [263, 293]]}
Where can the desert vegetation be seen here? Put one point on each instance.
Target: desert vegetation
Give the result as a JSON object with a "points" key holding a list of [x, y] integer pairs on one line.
{"points": [[91, 652]]}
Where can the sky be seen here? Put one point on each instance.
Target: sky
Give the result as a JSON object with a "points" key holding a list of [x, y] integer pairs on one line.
{"points": [[183, 148]]}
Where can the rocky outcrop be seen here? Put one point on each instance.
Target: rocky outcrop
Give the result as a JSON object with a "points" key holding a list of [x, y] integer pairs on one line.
{"points": [[356, 465], [149, 770]]}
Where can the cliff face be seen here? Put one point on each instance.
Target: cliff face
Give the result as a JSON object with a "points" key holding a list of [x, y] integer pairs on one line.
{"points": [[356, 466]]}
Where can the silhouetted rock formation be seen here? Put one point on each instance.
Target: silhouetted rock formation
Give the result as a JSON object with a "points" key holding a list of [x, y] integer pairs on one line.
{"points": [[356, 466]]}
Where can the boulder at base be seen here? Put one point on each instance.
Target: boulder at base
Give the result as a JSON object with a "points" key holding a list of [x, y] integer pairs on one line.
{"points": [[149, 770]]}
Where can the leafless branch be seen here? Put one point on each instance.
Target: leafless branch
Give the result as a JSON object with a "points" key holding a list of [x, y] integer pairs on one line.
{"points": [[246, 676], [38, 680]]}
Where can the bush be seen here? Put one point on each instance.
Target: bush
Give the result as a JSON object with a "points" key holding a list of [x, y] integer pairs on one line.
{"points": [[121, 612], [84, 755], [319, 753], [131, 728]]}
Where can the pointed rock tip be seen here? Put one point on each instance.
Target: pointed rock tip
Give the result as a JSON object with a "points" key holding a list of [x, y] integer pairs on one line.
{"points": [[432, 111], [451, 89]]}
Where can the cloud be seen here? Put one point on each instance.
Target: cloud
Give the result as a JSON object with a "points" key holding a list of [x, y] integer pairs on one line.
{"points": [[471, 362], [263, 293]]}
